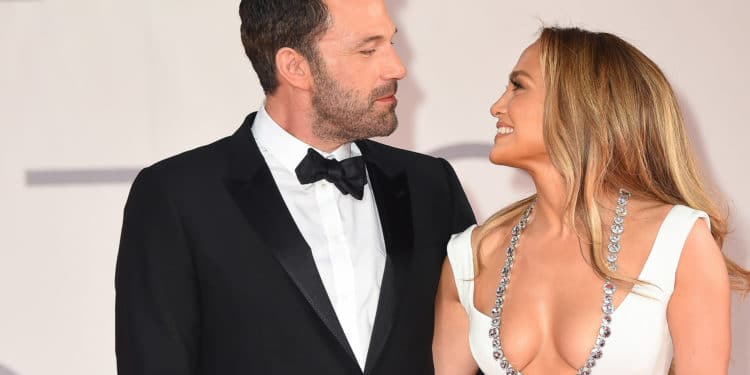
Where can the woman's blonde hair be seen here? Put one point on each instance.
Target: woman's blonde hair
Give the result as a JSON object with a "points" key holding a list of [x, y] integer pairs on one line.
{"points": [[611, 121]]}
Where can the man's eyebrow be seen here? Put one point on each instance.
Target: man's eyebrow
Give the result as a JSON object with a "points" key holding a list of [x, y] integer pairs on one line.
{"points": [[373, 38]]}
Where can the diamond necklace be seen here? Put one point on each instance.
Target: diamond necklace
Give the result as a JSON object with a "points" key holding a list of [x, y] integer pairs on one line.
{"points": [[608, 289]]}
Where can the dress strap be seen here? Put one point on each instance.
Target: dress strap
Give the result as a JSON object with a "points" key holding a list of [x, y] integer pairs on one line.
{"points": [[461, 258], [662, 261]]}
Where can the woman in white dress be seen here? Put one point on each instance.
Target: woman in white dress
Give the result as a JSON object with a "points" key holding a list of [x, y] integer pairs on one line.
{"points": [[614, 266]]}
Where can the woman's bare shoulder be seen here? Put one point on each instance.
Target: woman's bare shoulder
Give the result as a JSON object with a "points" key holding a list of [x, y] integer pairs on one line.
{"points": [[648, 211], [485, 239]]}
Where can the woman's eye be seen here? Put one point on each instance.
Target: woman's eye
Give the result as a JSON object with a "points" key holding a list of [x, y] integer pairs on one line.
{"points": [[516, 85]]}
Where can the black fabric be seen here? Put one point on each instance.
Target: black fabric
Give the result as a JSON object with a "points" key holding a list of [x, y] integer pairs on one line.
{"points": [[213, 276], [348, 175]]}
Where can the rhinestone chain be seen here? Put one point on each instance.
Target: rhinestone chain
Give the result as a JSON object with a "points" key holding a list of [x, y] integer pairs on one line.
{"points": [[608, 289]]}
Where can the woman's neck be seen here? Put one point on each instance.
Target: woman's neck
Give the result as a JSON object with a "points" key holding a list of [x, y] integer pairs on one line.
{"points": [[550, 214]]}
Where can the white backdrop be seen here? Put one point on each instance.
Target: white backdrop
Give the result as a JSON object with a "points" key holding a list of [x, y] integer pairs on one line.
{"points": [[91, 90]]}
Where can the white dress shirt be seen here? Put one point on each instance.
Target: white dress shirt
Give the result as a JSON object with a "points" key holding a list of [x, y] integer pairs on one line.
{"points": [[344, 233]]}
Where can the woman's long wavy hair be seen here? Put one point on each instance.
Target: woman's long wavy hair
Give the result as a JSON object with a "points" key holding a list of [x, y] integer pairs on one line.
{"points": [[611, 121]]}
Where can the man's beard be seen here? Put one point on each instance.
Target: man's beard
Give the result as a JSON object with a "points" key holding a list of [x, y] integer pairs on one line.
{"points": [[340, 116]]}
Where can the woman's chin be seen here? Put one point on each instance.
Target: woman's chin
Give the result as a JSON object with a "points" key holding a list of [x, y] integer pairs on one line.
{"points": [[499, 157]]}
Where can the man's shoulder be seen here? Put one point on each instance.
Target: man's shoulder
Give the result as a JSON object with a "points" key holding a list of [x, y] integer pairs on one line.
{"points": [[396, 154], [207, 160], [192, 165]]}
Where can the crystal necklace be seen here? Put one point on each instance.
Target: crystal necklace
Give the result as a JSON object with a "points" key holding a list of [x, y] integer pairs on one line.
{"points": [[608, 288]]}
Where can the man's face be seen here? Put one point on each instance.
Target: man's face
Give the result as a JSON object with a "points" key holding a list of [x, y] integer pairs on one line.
{"points": [[356, 75]]}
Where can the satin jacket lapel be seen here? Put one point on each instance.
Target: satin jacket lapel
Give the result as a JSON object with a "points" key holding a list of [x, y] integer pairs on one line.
{"points": [[255, 192], [391, 190]]}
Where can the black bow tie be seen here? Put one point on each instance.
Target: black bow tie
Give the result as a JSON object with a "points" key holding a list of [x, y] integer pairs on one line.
{"points": [[348, 175]]}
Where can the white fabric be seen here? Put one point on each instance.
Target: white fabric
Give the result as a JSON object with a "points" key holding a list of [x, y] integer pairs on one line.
{"points": [[640, 341], [344, 233]]}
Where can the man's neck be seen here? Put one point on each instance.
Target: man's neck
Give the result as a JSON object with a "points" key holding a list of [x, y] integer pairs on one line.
{"points": [[295, 117]]}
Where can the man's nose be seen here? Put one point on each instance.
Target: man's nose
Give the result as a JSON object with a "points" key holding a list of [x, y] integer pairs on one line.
{"points": [[395, 68]]}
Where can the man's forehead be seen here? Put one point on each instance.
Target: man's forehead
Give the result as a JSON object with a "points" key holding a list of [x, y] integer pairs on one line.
{"points": [[372, 8], [359, 18]]}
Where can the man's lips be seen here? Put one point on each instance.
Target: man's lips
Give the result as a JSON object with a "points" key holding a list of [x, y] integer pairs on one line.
{"points": [[391, 98]]}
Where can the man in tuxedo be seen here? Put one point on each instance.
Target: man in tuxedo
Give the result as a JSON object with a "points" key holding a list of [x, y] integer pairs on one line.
{"points": [[295, 245]]}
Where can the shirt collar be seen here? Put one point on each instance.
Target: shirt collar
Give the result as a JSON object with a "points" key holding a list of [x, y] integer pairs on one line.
{"points": [[286, 148]]}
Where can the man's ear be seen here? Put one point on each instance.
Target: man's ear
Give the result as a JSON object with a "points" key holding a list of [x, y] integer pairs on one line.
{"points": [[293, 68]]}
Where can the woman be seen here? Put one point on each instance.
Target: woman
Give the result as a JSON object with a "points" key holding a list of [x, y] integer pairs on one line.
{"points": [[614, 266]]}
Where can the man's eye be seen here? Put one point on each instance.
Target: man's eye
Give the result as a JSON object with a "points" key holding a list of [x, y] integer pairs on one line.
{"points": [[367, 52]]}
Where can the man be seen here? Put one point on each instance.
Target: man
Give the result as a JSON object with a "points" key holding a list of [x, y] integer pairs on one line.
{"points": [[295, 245]]}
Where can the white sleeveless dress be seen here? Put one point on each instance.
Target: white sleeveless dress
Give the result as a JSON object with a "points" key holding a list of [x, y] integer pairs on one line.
{"points": [[640, 342]]}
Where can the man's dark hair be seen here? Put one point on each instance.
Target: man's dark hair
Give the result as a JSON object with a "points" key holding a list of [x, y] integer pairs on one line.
{"points": [[269, 25]]}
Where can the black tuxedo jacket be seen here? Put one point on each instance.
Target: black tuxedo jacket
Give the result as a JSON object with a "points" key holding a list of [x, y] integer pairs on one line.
{"points": [[213, 277]]}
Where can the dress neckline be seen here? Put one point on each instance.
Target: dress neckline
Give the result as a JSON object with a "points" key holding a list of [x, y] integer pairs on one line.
{"points": [[628, 297]]}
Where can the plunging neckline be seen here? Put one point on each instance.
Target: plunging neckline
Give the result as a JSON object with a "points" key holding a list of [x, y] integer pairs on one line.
{"points": [[641, 341], [622, 304]]}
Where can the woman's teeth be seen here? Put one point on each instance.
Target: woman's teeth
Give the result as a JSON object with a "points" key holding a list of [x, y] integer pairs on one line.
{"points": [[504, 130]]}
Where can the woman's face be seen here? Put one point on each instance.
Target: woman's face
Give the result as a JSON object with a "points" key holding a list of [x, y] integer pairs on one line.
{"points": [[520, 113]]}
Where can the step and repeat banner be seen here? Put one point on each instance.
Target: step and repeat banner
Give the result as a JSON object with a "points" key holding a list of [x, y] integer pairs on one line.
{"points": [[93, 90]]}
